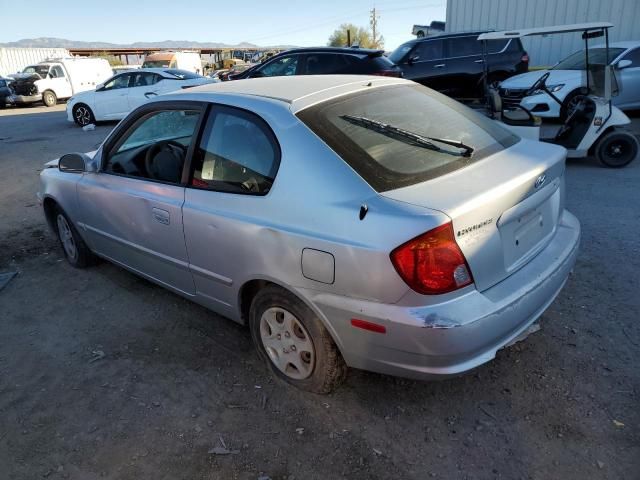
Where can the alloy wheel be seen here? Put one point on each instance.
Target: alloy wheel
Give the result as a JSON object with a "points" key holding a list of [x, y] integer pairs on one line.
{"points": [[83, 116]]}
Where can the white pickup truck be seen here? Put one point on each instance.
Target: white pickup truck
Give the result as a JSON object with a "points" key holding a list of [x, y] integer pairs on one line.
{"points": [[58, 79]]}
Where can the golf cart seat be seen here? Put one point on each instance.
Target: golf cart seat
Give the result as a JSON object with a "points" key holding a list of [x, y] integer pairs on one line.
{"points": [[518, 116]]}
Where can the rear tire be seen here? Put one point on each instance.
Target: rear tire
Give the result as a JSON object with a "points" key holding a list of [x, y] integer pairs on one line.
{"points": [[617, 148], [294, 343], [49, 98], [75, 250], [83, 115]]}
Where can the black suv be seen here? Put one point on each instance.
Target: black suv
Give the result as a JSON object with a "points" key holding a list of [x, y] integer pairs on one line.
{"points": [[323, 61], [452, 63]]}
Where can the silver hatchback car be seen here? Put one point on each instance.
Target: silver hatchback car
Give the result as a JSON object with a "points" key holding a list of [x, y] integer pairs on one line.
{"points": [[349, 221]]}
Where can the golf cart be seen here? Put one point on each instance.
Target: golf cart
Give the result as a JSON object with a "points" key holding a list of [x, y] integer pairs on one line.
{"points": [[593, 126]]}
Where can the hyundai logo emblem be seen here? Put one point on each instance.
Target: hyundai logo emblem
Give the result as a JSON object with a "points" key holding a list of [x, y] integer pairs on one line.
{"points": [[540, 180]]}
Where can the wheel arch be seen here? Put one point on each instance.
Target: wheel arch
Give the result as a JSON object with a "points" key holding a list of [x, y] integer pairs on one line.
{"points": [[250, 289]]}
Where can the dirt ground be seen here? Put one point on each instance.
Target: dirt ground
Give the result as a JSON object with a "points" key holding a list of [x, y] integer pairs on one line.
{"points": [[104, 375]]}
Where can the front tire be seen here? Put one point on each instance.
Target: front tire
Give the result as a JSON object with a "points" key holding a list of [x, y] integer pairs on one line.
{"points": [[49, 98], [617, 148], [83, 115], [294, 343], [570, 102], [75, 250]]}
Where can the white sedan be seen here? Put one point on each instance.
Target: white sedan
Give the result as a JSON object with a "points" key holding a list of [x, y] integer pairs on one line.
{"points": [[567, 81], [126, 91]]}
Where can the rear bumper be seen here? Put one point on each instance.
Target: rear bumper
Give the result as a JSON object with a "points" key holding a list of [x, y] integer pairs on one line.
{"points": [[457, 335], [18, 99]]}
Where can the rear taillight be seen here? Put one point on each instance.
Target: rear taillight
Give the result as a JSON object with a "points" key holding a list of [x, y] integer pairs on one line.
{"points": [[389, 73], [432, 263], [524, 58]]}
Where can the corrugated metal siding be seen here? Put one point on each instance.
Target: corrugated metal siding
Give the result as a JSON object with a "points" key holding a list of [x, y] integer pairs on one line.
{"points": [[464, 15], [13, 60]]}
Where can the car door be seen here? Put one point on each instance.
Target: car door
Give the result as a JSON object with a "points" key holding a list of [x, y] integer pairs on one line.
{"points": [[281, 66], [426, 64], [143, 87], [464, 66], [629, 81], [60, 83], [111, 101], [233, 169], [131, 209]]}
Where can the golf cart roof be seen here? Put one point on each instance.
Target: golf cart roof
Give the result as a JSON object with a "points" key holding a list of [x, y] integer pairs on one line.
{"points": [[529, 32]]}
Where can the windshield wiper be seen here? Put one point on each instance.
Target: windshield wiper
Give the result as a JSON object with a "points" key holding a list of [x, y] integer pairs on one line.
{"points": [[409, 137]]}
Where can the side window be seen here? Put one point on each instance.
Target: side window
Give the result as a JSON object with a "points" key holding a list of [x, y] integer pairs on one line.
{"points": [[496, 46], [238, 153], [121, 81], [56, 72], [155, 147], [323, 63], [281, 66], [429, 50], [463, 46], [634, 56], [144, 79]]}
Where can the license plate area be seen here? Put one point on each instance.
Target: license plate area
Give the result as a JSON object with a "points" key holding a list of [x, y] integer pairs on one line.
{"points": [[526, 234]]}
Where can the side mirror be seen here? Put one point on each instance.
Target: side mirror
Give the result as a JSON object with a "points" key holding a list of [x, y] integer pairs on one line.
{"points": [[75, 163], [624, 64], [413, 59]]}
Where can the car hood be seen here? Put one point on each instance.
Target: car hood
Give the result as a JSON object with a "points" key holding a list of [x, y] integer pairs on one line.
{"points": [[525, 80], [54, 163]]}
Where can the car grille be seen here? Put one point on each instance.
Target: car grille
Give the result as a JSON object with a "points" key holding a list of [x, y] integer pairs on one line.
{"points": [[511, 97]]}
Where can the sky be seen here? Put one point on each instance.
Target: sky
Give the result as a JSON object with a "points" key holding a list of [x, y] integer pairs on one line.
{"points": [[266, 22]]}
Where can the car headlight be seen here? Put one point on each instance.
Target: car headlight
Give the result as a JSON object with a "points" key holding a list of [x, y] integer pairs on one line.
{"points": [[551, 88]]}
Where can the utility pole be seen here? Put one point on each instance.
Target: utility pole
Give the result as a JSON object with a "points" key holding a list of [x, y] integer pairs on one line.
{"points": [[374, 26]]}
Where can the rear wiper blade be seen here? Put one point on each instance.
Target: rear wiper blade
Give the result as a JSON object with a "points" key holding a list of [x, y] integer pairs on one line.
{"points": [[407, 136]]}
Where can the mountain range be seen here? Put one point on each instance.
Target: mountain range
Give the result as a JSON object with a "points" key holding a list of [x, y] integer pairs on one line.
{"points": [[48, 42]]}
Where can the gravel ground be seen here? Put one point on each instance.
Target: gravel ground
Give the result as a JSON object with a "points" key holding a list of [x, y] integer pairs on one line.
{"points": [[104, 375]]}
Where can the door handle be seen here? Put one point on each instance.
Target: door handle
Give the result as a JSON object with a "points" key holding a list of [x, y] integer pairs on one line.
{"points": [[478, 61], [440, 65], [161, 216], [150, 94]]}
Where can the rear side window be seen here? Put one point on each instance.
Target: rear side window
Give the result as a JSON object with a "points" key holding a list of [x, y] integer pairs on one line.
{"points": [[463, 46], [238, 153], [384, 134], [324, 63]]}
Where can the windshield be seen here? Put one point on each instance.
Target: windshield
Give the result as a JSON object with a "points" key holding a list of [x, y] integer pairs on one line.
{"points": [[400, 52], [182, 74], [41, 70], [576, 61], [155, 63], [401, 135]]}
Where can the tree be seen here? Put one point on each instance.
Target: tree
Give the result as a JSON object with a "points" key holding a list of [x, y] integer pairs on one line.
{"points": [[359, 36]]}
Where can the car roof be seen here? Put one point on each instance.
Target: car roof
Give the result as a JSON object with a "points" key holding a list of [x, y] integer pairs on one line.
{"points": [[351, 50], [159, 70], [299, 91], [445, 35]]}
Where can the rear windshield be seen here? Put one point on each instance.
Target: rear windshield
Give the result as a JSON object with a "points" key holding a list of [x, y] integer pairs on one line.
{"points": [[384, 134], [155, 63]]}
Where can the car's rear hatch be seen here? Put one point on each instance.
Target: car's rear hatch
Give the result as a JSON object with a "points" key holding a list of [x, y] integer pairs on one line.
{"points": [[504, 208]]}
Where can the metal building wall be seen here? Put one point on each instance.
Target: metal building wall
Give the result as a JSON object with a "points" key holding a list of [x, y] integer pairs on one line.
{"points": [[464, 15], [13, 60]]}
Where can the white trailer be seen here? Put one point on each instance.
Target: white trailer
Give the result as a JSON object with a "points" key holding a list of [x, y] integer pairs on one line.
{"points": [[13, 60], [59, 78]]}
